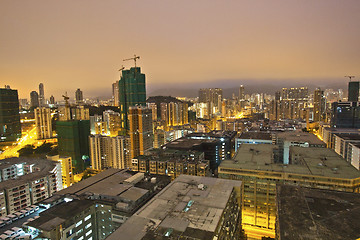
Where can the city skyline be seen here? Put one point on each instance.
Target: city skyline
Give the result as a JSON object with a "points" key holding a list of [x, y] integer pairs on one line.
{"points": [[82, 45]]}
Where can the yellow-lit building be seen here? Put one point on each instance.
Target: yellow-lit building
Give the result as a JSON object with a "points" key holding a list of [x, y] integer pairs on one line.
{"points": [[66, 169], [257, 166], [172, 163]]}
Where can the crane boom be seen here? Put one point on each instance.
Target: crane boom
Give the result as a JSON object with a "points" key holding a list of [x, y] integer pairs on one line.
{"points": [[134, 58], [350, 77]]}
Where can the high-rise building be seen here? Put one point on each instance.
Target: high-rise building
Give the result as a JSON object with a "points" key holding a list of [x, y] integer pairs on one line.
{"points": [[106, 151], [34, 99], [10, 128], [213, 98], [345, 115], [52, 100], [66, 169], [115, 93], [41, 95], [132, 92], [79, 96], [113, 122], [141, 131], [43, 122], [27, 181], [73, 141], [241, 92], [353, 93], [319, 105]]}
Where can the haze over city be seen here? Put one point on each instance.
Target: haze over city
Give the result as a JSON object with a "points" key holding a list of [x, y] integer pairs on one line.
{"points": [[182, 44]]}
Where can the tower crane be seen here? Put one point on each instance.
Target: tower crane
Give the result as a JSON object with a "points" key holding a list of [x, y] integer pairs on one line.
{"points": [[134, 58], [66, 99], [350, 77]]}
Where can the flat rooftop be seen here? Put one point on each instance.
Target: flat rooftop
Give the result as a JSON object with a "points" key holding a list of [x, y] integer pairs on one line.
{"points": [[45, 166], [305, 213], [96, 183], [342, 130], [300, 136], [310, 161], [256, 135], [349, 137], [53, 217], [181, 208], [189, 143]]}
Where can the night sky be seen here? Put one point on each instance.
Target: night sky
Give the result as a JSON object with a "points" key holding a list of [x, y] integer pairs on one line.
{"points": [[71, 44]]}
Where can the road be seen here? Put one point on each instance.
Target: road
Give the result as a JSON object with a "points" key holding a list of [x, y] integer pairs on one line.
{"points": [[28, 138]]}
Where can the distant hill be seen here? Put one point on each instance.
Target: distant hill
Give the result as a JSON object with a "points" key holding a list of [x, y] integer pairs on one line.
{"points": [[162, 99]]}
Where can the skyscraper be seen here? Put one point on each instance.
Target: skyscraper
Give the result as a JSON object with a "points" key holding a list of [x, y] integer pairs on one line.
{"points": [[213, 98], [353, 94], [319, 104], [115, 93], [73, 141], [79, 96], [34, 99], [132, 92], [41, 95], [52, 100], [141, 132], [43, 122], [241, 92], [10, 128], [106, 151]]}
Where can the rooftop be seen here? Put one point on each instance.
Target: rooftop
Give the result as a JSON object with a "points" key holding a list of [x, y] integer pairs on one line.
{"points": [[180, 209], [317, 214], [307, 161], [300, 136], [45, 167], [58, 214], [189, 143], [256, 135], [349, 137]]}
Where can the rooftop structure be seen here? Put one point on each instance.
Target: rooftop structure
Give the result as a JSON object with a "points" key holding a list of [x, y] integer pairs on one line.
{"points": [[190, 207], [316, 214], [210, 147], [315, 162], [97, 206], [301, 137], [256, 167]]}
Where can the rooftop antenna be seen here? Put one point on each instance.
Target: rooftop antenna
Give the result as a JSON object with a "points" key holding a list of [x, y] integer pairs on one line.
{"points": [[350, 77], [134, 58]]}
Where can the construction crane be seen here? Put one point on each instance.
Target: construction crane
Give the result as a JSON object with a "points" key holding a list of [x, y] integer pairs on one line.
{"points": [[350, 77], [134, 58], [66, 99], [122, 68]]}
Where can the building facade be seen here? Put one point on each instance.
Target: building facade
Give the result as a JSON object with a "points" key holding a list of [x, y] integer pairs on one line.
{"points": [[140, 130], [10, 128], [43, 122]]}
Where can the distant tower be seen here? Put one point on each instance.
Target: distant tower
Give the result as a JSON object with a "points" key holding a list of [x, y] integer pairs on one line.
{"points": [[319, 104], [34, 99], [41, 95], [115, 93], [52, 100], [79, 96], [241, 92]]}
